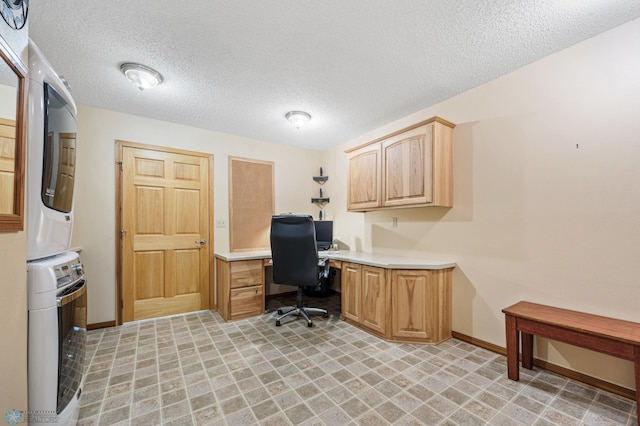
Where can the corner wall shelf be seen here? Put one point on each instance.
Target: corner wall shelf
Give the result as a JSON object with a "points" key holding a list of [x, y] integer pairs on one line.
{"points": [[320, 202]]}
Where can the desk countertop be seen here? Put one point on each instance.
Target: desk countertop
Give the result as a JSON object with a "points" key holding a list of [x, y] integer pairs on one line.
{"points": [[371, 259]]}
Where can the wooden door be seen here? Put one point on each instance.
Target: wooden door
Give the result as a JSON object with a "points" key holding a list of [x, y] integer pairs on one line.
{"points": [[364, 178], [350, 290], [165, 222], [373, 306], [407, 168], [7, 164], [66, 171], [409, 299]]}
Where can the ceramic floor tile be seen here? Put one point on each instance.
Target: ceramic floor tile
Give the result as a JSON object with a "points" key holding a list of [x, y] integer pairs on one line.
{"points": [[198, 369]]}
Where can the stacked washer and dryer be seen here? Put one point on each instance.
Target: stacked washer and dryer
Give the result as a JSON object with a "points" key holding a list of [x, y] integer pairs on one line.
{"points": [[55, 278]]}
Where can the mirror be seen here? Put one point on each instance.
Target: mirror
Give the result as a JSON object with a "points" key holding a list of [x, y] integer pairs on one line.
{"points": [[12, 139]]}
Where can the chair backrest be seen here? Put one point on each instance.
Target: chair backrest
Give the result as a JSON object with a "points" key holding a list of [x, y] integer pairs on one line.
{"points": [[293, 250]]}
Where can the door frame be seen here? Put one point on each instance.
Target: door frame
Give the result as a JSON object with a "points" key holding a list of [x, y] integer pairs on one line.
{"points": [[119, 146]]}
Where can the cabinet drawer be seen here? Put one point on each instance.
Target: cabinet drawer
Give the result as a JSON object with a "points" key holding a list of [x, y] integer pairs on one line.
{"points": [[246, 273], [246, 302]]}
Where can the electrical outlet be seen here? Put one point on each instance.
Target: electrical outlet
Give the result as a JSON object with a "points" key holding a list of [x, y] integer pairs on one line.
{"points": [[394, 222], [221, 223]]}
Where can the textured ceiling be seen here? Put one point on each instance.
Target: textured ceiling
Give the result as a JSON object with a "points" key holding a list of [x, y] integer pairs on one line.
{"points": [[239, 66]]}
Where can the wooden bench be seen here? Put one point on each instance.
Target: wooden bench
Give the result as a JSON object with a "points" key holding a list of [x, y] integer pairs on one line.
{"points": [[611, 336]]}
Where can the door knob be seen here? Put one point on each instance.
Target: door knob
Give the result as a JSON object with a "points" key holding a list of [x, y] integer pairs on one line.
{"points": [[202, 242]]}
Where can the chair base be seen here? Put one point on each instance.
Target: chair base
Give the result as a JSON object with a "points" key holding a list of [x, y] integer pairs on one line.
{"points": [[300, 309]]}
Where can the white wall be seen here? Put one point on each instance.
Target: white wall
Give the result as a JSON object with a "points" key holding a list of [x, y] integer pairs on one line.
{"points": [[94, 227], [13, 286], [7, 102], [547, 196]]}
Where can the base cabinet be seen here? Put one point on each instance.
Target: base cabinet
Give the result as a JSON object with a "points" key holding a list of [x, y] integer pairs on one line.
{"points": [[364, 296], [411, 306], [373, 312], [421, 306], [409, 295], [240, 286], [350, 291]]}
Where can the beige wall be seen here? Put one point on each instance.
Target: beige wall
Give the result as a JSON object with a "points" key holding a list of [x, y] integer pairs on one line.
{"points": [[94, 227], [13, 320], [547, 196], [534, 217], [13, 287]]}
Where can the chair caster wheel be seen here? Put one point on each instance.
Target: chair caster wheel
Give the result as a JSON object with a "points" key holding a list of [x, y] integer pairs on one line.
{"points": [[325, 315], [279, 311], [277, 323], [309, 324]]}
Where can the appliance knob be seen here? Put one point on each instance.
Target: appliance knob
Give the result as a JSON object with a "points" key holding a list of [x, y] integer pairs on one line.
{"points": [[77, 268]]}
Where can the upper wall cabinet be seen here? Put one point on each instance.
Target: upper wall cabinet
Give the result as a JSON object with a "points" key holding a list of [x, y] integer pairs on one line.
{"points": [[363, 181], [412, 167]]}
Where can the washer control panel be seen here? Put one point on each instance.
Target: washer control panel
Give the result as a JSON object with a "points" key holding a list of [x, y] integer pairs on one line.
{"points": [[68, 272]]}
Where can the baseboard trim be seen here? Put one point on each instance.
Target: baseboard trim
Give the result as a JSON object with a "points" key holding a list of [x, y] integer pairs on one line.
{"points": [[98, 325], [561, 371]]}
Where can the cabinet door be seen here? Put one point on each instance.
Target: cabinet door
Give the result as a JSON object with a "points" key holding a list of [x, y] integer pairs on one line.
{"points": [[351, 278], [407, 168], [374, 301], [246, 302], [364, 178], [409, 300]]}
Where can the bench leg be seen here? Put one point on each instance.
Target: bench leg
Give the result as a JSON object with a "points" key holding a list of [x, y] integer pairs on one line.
{"points": [[512, 347], [636, 361], [527, 350]]}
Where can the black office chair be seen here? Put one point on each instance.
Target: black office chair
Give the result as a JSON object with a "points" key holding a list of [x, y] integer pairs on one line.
{"points": [[295, 260]]}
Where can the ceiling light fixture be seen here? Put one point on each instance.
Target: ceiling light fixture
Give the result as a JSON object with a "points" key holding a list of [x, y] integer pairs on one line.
{"points": [[298, 118], [140, 75]]}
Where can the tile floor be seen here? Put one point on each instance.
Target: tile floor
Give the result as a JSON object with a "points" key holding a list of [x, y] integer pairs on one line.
{"points": [[197, 369]]}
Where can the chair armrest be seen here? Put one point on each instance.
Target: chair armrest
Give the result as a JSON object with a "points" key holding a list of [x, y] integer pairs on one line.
{"points": [[323, 267]]}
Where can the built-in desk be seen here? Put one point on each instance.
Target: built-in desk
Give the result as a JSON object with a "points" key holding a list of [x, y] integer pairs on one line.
{"points": [[397, 298]]}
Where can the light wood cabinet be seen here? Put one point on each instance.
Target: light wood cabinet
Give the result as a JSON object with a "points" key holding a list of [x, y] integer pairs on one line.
{"points": [[373, 311], [409, 296], [421, 308], [364, 296], [350, 290], [411, 306], [240, 288], [409, 168], [364, 184]]}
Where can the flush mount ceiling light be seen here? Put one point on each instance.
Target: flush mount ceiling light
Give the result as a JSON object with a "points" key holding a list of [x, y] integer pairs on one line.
{"points": [[298, 118], [140, 75]]}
